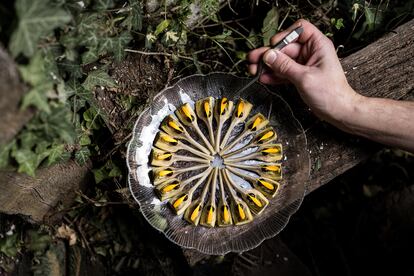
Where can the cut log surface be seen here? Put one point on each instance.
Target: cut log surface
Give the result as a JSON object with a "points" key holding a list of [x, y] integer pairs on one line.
{"points": [[38, 198]]}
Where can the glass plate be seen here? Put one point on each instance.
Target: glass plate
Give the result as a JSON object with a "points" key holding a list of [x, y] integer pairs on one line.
{"points": [[295, 164]]}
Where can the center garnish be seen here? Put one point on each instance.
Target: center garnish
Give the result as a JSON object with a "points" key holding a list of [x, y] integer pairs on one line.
{"points": [[203, 181], [217, 162]]}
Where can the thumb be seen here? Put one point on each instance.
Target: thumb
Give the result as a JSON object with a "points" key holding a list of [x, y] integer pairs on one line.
{"points": [[283, 65]]}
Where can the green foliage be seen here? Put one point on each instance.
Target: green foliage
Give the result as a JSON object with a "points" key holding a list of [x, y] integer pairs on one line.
{"points": [[338, 23], [56, 153], [82, 155], [115, 45], [101, 35], [10, 245], [102, 5], [37, 98], [36, 75], [56, 125], [370, 17], [59, 88], [209, 8], [161, 27], [37, 241], [92, 119], [27, 159], [36, 19], [373, 19], [5, 153], [43, 140], [109, 170], [134, 19], [270, 25], [98, 78]]}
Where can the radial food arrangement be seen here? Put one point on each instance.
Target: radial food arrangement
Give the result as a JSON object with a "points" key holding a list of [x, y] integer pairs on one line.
{"points": [[206, 163], [217, 163]]}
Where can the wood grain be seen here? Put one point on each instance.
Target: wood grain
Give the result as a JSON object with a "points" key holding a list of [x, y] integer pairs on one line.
{"points": [[38, 198]]}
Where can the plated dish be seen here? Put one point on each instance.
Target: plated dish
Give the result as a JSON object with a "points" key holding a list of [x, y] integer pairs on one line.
{"points": [[200, 233]]}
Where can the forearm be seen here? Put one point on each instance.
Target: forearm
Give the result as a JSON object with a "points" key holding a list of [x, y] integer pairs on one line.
{"points": [[385, 121]]}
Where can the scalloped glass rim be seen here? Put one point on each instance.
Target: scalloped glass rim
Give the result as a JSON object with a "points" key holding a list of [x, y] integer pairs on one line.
{"points": [[216, 240]]}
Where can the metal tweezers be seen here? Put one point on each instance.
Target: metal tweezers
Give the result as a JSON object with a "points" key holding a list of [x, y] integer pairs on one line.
{"points": [[292, 36]]}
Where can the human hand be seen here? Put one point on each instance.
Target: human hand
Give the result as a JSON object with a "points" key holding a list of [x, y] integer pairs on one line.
{"points": [[312, 65]]}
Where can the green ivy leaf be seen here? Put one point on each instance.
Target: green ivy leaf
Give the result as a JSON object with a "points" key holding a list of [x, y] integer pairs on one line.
{"points": [[41, 151], [36, 19], [338, 23], [136, 16], [84, 140], [96, 78], [72, 68], [34, 72], [78, 95], [28, 139], [161, 27], [115, 171], [109, 170], [100, 174], [82, 156], [92, 118], [55, 154], [270, 25], [38, 98], [5, 153], [27, 160], [91, 55], [209, 8], [120, 43], [37, 242], [50, 55], [75, 88], [89, 30], [102, 5], [9, 245], [115, 45], [56, 125]]}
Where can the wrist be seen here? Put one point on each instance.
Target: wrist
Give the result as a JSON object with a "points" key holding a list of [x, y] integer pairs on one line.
{"points": [[352, 104]]}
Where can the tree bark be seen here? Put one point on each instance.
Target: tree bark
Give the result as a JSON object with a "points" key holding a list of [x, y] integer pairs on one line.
{"points": [[11, 91]]}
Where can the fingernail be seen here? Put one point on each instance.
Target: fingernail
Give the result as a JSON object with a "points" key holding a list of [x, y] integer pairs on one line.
{"points": [[270, 57]]}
